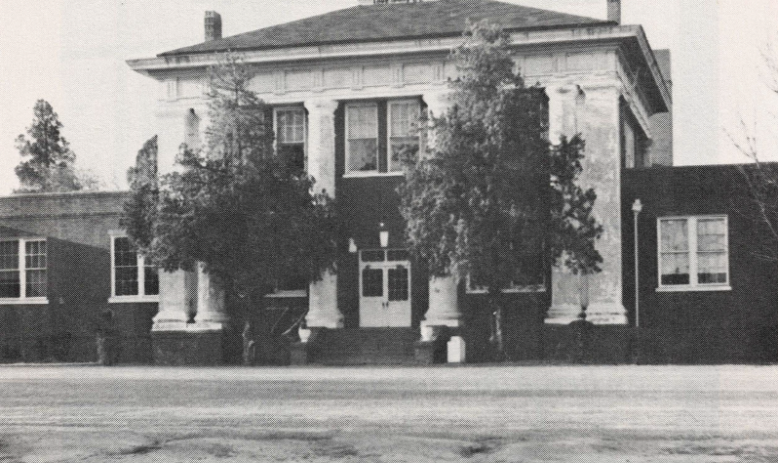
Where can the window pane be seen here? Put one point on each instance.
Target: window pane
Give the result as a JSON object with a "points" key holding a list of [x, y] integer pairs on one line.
{"points": [[711, 235], [402, 149], [124, 254], [712, 267], [127, 281], [362, 134], [291, 125], [404, 118], [363, 155], [675, 236], [675, 269], [10, 284], [293, 156], [35, 255], [398, 283], [151, 281], [36, 283], [372, 282], [294, 283], [9, 255]]}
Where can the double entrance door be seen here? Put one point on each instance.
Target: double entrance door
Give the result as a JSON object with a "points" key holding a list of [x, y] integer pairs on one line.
{"points": [[384, 288]]}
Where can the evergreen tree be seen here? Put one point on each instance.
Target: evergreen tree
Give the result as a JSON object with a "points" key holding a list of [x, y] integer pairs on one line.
{"points": [[47, 163], [492, 200], [253, 220]]}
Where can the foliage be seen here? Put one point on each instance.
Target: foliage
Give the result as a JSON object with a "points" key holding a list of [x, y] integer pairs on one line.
{"points": [[234, 206], [47, 164], [480, 201]]}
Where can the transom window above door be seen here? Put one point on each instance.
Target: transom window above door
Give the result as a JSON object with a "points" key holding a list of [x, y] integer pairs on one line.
{"points": [[377, 144]]}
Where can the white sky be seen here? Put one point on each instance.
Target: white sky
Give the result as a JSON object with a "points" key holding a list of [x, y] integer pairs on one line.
{"points": [[72, 53]]}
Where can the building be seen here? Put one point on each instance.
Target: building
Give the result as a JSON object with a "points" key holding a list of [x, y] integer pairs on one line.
{"points": [[343, 87]]}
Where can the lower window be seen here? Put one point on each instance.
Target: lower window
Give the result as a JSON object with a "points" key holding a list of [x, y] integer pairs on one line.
{"points": [[131, 277], [23, 269], [693, 252]]}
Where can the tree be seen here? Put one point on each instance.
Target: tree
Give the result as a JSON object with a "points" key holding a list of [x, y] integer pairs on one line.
{"points": [[47, 163], [492, 189], [236, 207]]}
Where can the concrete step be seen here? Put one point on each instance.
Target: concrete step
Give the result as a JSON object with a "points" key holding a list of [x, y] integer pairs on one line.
{"points": [[362, 346]]}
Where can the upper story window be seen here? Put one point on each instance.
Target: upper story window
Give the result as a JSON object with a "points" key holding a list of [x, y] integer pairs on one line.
{"points": [[23, 270], [693, 253], [403, 137], [131, 278], [291, 135], [362, 137], [366, 153]]}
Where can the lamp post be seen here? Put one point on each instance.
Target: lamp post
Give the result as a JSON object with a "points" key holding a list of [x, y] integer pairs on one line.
{"points": [[637, 206]]}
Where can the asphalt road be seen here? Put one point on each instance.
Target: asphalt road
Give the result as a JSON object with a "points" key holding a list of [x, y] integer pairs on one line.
{"points": [[468, 413]]}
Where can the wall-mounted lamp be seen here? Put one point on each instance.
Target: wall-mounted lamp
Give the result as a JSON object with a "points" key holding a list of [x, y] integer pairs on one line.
{"points": [[352, 246], [383, 235], [637, 207]]}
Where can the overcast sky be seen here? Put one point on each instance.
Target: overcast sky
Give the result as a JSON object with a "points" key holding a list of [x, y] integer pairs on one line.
{"points": [[72, 53]]}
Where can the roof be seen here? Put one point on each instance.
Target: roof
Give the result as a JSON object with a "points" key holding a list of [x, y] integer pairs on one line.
{"points": [[368, 23], [82, 203]]}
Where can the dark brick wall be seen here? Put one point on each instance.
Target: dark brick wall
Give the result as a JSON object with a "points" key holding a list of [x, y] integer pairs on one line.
{"points": [[76, 227], [740, 325]]}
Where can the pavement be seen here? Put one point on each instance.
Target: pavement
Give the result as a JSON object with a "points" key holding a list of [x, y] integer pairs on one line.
{"points": [[415, 414]]}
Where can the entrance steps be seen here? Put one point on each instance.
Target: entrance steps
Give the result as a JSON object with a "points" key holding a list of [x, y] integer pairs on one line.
{"points": [[365, 346]]}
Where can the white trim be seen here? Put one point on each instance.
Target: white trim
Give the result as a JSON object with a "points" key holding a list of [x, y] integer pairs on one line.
{"points": [[22, 270], [131, 299], [27, 301], [691, 230], [688, 289], [364, 104], [389, 104], [371, 173]]}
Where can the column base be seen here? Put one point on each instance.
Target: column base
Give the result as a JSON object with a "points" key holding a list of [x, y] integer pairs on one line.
{"points": [[196, 346]]}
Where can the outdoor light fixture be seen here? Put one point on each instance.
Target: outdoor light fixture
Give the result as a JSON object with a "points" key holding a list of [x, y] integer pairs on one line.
{"points": [[383, 235], [352, 246]]}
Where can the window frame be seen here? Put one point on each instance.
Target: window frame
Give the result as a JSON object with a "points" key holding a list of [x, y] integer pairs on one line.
{"points": [[276, 142], [379, 136], [22, 270], [389, 104], [693, 251], [141, 296], [362, 173], [513, 289]]}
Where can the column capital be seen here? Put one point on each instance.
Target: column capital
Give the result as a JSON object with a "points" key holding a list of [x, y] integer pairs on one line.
{"points": [[555, 90], [321, 105], [438, 102]]}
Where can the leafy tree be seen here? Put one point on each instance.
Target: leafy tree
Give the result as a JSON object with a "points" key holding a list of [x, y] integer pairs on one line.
{"points": [[492, 191], [47, 159], [249, 217]]}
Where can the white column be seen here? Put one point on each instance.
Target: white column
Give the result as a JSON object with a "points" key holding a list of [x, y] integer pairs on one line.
{"points": [[178, 289], [323, 300], [443, 309], [602, 171], [211, 310]]}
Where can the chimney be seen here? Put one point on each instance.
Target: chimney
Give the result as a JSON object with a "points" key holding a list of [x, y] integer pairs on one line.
{"points": [[213, 26], [614, 11]]}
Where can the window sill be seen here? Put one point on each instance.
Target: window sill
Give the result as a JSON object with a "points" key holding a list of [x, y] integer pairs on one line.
{"points": [[30, 301], [523, 289], [688, 289], [132, 299], [372, 174], [291, 293]]}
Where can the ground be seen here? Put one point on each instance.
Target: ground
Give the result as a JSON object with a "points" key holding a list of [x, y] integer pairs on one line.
{"points": [[516, 414]]}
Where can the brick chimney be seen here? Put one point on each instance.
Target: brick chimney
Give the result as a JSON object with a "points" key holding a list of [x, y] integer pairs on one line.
{"points": [[614, 11], [213, 26]]}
